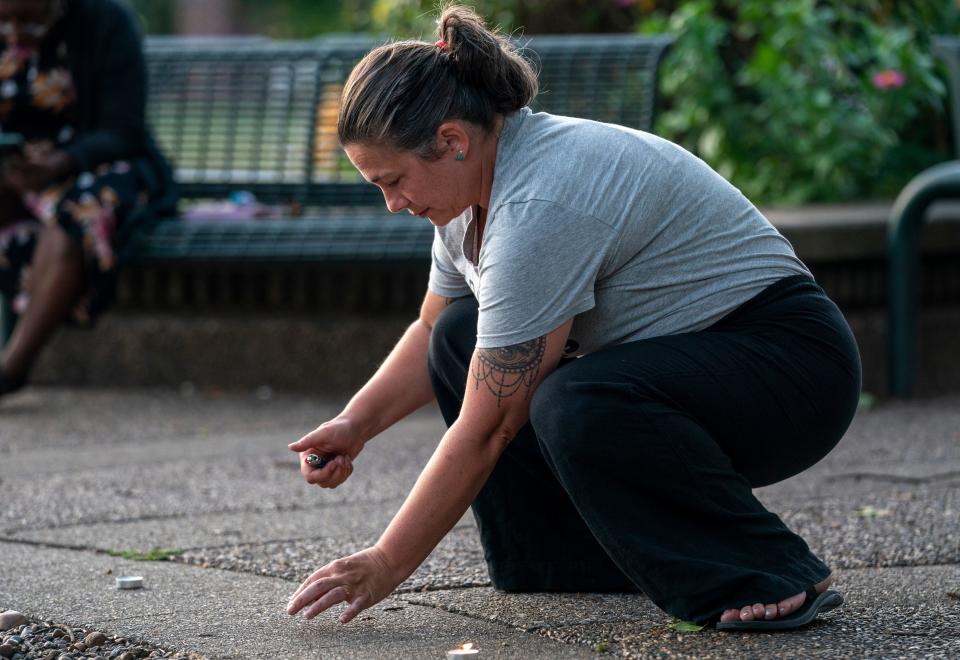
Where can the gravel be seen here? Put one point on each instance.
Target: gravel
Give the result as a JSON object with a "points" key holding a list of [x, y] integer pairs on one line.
{"points": [[45, 640]]}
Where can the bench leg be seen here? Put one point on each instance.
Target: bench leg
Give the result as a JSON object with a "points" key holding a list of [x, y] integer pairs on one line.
{"points": [[903, 273]]}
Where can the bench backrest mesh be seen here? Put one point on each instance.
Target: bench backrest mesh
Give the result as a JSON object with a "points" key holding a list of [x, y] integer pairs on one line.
{"points": [[260, 115]]}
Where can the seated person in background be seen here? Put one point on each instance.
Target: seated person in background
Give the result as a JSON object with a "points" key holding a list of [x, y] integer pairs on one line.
{"points": [[73, 90]]}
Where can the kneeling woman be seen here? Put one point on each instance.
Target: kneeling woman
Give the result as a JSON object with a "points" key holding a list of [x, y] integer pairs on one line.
{"points": [[622, 347]]}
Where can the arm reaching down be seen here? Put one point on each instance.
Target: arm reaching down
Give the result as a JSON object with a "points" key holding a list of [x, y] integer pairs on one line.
{"points": [[501, 385], [400, 386]]}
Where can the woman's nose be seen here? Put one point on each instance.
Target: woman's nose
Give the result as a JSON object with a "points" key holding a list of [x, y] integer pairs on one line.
{"points": [[395, 201]]}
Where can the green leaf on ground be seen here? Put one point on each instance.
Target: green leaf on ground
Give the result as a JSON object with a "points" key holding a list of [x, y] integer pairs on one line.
{"points": [[601, 647], [872, 512], [685, 626], [155, 554]]}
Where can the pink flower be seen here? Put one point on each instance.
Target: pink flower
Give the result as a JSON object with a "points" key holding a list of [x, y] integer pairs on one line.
{"points": [[889, 79]]}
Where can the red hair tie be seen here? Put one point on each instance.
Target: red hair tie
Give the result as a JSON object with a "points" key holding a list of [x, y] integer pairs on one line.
{"points": [[442, 45]]}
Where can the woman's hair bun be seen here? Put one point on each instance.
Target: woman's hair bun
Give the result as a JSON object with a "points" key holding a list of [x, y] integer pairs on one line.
{"points": [[399, 93], [486, 59]]}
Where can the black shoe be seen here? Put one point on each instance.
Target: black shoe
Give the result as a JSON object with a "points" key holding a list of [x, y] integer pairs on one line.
{"points": [[812, 606]]}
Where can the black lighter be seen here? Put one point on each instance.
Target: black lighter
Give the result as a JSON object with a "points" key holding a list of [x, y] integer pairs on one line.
{"points": [[316, 461]]}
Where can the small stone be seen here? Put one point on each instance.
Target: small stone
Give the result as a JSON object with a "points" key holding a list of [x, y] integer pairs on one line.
{"points": [[11, 619], [6, 650], [127, 656], [94, 639], [79, 646]]}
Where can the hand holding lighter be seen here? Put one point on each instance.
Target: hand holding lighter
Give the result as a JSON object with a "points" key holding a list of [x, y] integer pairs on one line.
{"points": [[316, 461]]}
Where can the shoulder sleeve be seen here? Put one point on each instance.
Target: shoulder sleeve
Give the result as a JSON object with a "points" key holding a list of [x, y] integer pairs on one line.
{"points": [[445, 279], [538, 270]]}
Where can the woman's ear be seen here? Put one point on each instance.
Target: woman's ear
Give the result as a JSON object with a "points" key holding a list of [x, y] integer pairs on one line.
{"points": [[453, 140]]}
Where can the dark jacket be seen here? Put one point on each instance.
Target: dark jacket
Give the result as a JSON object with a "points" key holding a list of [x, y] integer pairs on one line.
{"points": [[107, 64]]}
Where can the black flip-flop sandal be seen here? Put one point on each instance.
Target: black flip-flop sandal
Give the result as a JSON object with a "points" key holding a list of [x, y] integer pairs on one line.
{"points": [[812, 606]]}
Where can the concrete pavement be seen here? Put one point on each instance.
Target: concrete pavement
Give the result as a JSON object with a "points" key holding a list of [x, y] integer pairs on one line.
{"points": [[208, 477]]}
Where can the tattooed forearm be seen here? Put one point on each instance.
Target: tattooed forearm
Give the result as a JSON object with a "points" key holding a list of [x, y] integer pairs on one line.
{"points": [[505, 371]]}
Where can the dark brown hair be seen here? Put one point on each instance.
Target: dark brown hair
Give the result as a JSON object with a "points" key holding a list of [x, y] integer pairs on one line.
{"points": [[401, 92]]}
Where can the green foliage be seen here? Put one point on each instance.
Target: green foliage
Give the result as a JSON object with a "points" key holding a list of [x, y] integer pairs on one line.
{"points": [[781, 97], [280, 19], [416, 18], [156, 16], [293, 19]]}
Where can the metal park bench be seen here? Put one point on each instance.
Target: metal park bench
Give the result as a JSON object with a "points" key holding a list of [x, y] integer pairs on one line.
{"points": [[940, 182], [259, 116]]}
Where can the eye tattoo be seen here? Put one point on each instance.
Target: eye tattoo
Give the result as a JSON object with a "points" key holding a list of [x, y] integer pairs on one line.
{"points": [[506, 370]]}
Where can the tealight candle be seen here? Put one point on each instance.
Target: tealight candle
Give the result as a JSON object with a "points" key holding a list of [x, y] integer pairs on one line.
{"points": [[130, 582], [463, 651]]}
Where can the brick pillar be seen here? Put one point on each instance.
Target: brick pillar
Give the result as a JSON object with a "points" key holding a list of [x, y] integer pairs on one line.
{"points": [[207, 17]]}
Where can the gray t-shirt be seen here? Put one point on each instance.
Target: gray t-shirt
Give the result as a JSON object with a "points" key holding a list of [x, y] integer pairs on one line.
{"points": [[627, 233]]}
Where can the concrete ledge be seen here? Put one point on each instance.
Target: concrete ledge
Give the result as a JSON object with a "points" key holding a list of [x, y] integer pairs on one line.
{"points": [[338, 355], [821, 233], [229, 352]]}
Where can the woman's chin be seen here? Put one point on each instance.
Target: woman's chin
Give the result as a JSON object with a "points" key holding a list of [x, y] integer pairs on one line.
{"points": [[442, 218]]}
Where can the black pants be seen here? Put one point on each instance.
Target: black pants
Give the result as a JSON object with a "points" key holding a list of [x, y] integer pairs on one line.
{"points": [[636, 469]]}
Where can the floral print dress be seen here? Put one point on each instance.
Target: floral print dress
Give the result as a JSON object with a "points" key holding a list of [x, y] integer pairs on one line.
{"points": [[37, 99]]}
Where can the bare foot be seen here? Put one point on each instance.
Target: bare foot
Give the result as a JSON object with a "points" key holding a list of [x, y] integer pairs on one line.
{"points": [[773, 610]]}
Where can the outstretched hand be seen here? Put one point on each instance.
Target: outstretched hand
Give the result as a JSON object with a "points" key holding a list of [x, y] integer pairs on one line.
{"points": [[360, 580], [339, 441]]}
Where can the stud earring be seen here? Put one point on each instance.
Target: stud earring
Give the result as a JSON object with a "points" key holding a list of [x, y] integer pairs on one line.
{"points": [[459, 155]]}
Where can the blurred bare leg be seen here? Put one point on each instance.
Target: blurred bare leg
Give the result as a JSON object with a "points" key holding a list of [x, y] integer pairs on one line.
{"points": [[56, 286]]}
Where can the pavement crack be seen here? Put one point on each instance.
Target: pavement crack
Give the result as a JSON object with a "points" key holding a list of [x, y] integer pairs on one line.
{"points": [[293, 508], [429, 588], [53, 546], [893, 478], [453, 609]]}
